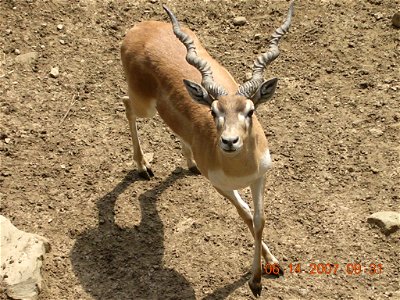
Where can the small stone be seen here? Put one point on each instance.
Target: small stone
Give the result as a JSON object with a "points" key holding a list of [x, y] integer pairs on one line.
{"points": [[257, 36], [364, 85], [27, 58], [248, 75], [378, 16], [375, 132], [17, 52], [60, 27], [8, 31], [7, 140], [239, 21], [396, 20], [62, 42], [374, 170], [376, 2], [388, 221], [153, 1], [54, 72], [303, 292]]}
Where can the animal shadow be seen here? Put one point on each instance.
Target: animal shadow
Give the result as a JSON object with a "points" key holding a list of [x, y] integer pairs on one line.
{"points": [[116, 263], [119, 263]]}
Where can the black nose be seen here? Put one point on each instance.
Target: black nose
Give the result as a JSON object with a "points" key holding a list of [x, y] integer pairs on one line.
{"points": [[230, 141]]}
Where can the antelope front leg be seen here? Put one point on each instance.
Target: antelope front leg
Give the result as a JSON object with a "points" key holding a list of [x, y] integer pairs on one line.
{"points": [[257, 191], [244, 212]]}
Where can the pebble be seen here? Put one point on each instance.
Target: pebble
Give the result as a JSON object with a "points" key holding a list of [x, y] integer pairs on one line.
{"points": [[27, 58], [54, 72], [396, 20], [239, 21], [17, 51], [303, 292], [375, 132], [60, 26], [388, 221], [378, 16]]}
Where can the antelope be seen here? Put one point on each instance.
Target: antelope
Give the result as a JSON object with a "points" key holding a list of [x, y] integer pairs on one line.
{"points": [[213, 116]]}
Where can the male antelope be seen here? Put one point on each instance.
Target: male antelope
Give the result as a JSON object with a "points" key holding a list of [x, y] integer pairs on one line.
{"points": [[221, 136]]}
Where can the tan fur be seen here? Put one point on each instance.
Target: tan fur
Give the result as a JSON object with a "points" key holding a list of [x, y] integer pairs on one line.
{"points": [[155, 66]]}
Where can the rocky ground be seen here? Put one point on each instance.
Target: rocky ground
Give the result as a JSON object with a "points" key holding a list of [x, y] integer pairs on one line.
{"points": [[333, 126]]}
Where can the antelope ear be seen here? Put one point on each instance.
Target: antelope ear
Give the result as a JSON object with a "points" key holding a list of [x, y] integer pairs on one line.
{"points": [[265, 91], [197, 92]]}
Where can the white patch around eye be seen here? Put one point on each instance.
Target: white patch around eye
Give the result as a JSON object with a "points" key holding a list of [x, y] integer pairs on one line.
{"points": [[241, 117], [248, 106]]}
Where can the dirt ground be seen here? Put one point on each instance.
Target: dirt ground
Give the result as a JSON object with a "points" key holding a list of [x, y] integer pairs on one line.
{"points": [[66, 160]]}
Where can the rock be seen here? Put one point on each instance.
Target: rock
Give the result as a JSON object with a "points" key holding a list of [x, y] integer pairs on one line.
{"points": [[27, 58], [239, 21], [375, 132], [257, 36], [388, 221], [248, 75], [21, 261], [378, 16], [60, 27], [54, 72], [17, 52], [396, 20]]}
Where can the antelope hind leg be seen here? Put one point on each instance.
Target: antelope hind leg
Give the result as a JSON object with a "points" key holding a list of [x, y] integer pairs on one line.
{"points": [[141, 163]]}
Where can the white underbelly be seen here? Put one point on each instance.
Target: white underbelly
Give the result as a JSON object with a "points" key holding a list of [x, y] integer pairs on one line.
{"points": [[228, 182]]}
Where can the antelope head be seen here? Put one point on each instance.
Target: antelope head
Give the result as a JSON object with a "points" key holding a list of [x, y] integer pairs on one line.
{"points": [[232, 113]]}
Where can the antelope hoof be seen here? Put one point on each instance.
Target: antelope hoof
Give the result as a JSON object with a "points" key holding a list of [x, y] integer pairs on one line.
{"points": [[195, 170], [147, 173], [255, 288]]}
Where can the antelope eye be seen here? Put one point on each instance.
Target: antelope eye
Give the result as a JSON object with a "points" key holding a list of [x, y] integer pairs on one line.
{"points": [[250, 113]]}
